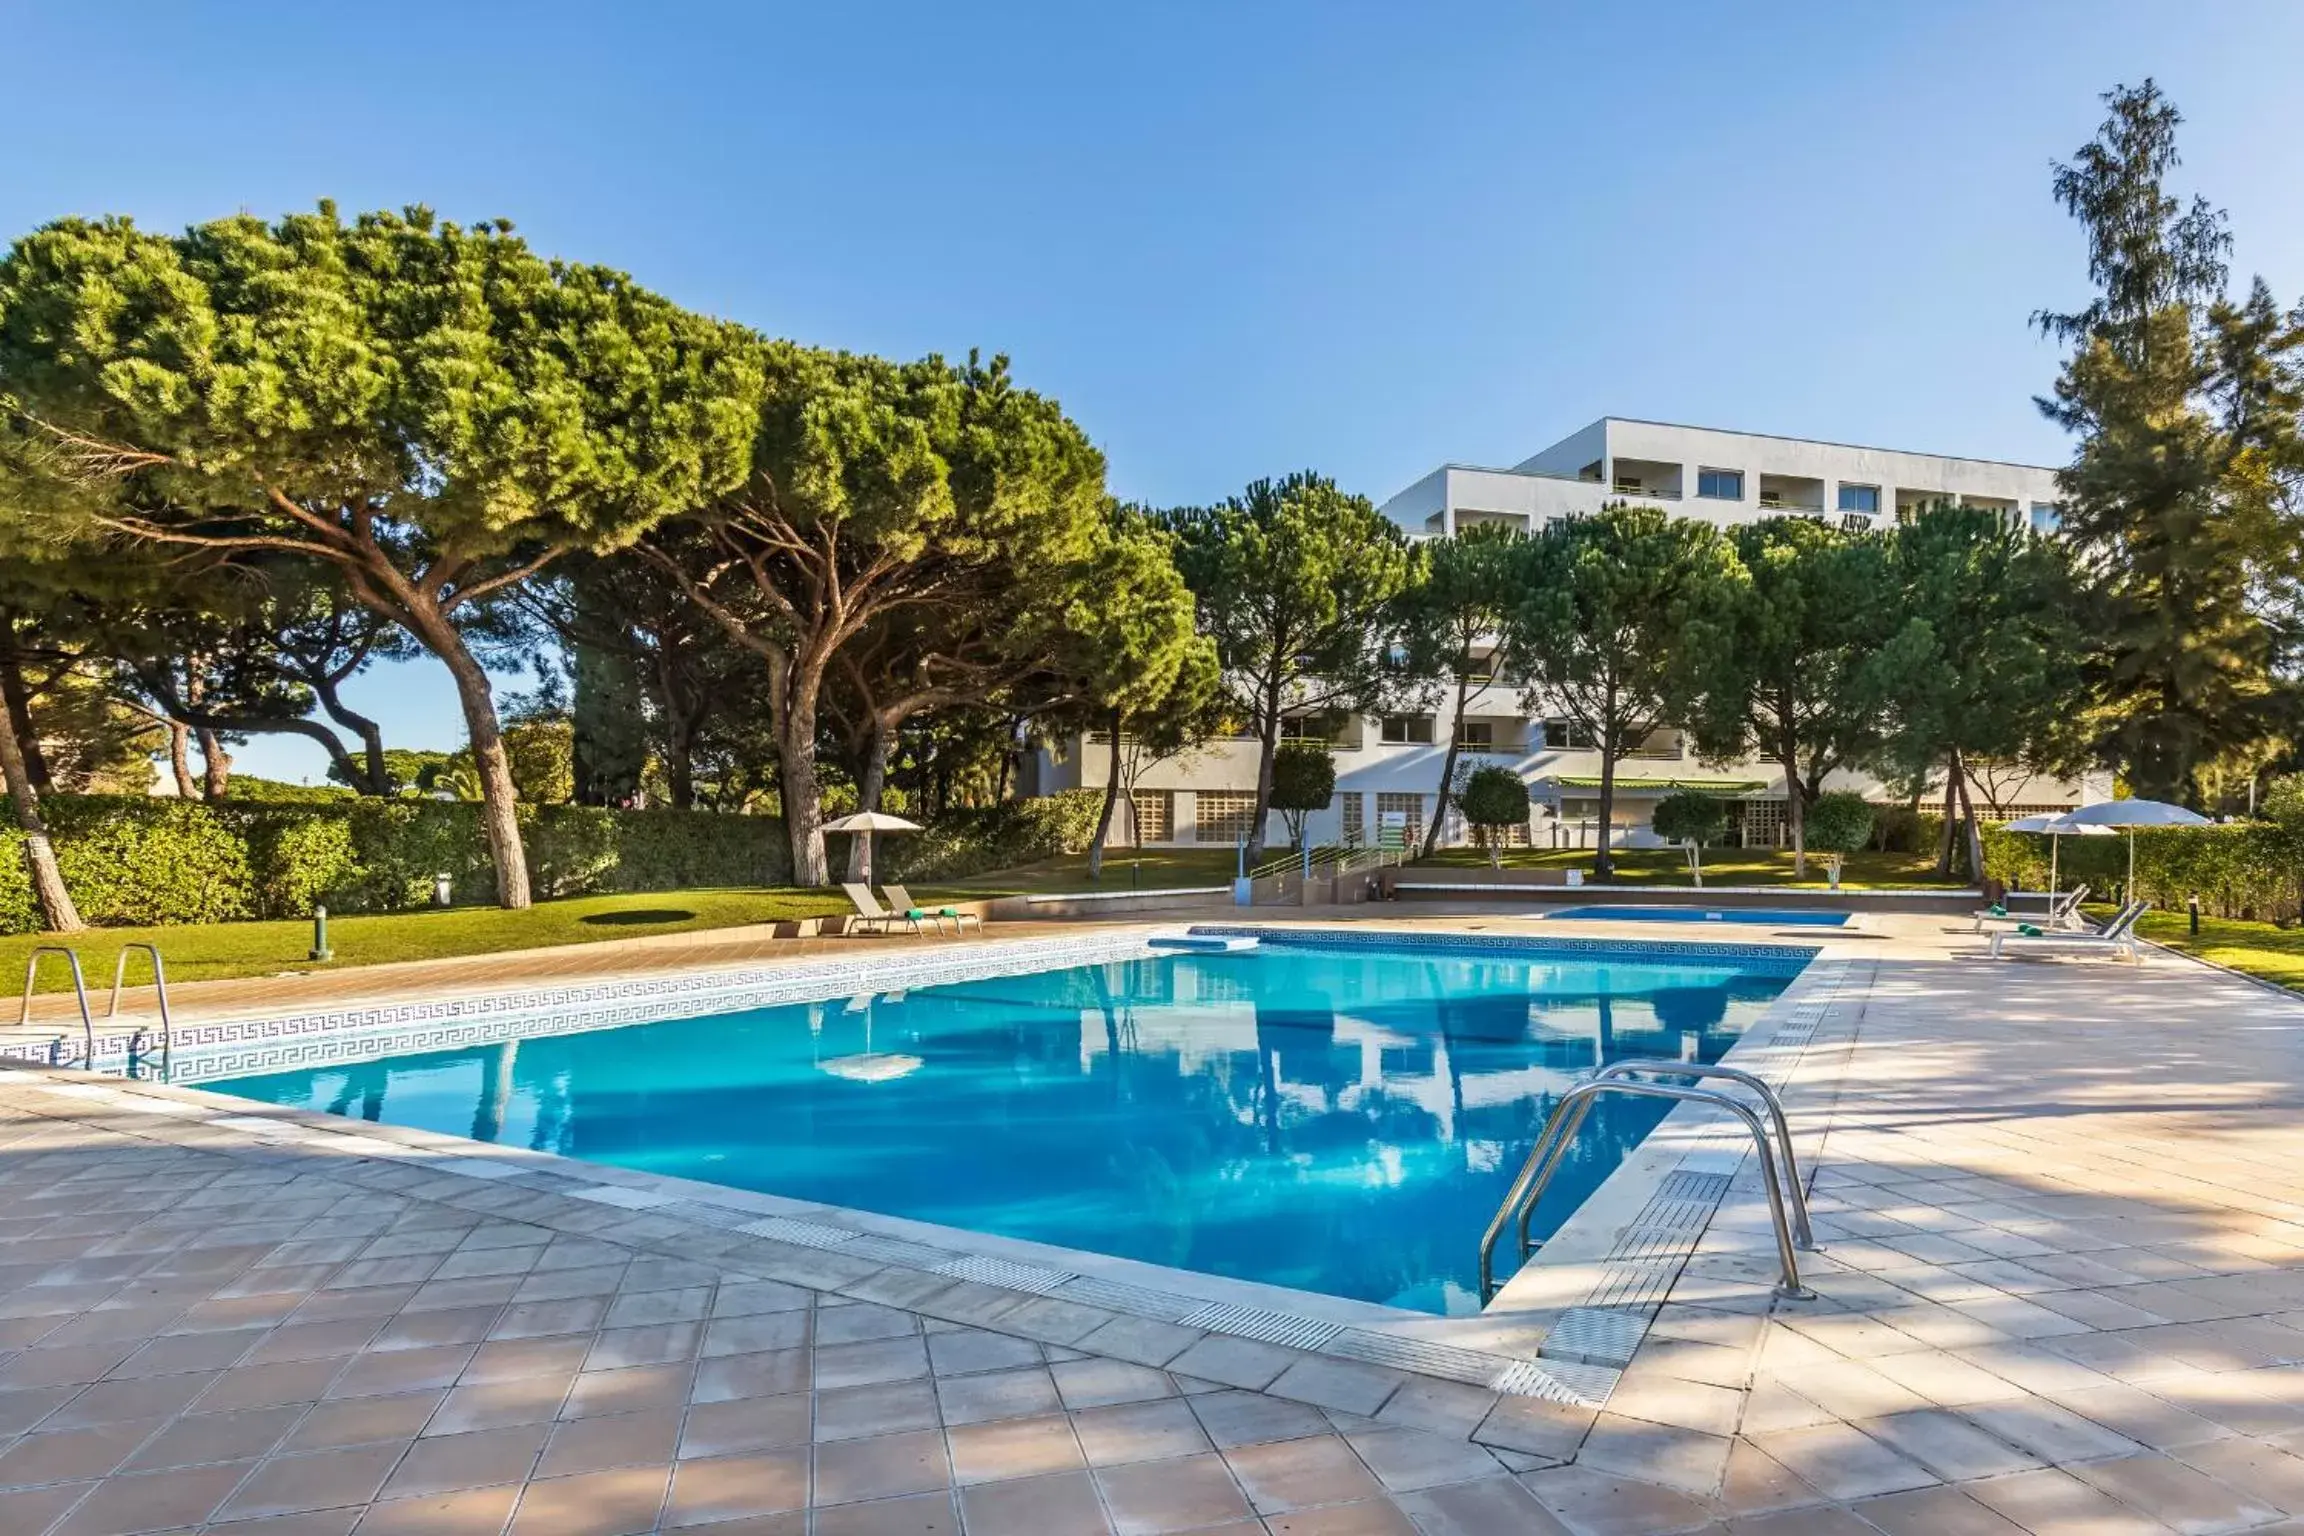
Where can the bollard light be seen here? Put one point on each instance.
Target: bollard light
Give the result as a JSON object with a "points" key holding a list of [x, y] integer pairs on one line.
{"points": [[2193, 909], [320, 949], [443, 891]]}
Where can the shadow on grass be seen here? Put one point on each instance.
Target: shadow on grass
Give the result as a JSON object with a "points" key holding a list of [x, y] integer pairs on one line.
{"points": [[637, 917]]}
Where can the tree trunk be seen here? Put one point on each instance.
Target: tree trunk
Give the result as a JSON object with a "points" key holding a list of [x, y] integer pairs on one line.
{"points": [[1795, 805], [498, 796], [796, 775], [180, 759], [1111, 800], [1975, 833], [215, 765], [1448, 760], [19, 702], [1611, 741], [57, 913], [1267, 747], [873, 784], [378, 776], [1945, 835]]}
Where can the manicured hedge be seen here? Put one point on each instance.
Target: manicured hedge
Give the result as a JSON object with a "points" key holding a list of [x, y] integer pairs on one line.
{"points": [[969, 842], [136, 861], [2246, 869]]}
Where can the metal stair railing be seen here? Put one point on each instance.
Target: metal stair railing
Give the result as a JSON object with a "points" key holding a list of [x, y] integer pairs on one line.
{"points": [[160, 991], [1796, 1190], [79, 992], [1551, 1149]]}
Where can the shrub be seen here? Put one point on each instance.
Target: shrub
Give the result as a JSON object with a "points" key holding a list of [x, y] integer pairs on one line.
{"points": [[968, 842], [1303, 781], [1691, 816], [1493, 798], [1839, 822], [299, 861], [178, 862], [137, 860]]}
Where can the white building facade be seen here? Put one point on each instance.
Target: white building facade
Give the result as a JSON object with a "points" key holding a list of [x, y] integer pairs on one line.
{"points": [[1388, 767]]}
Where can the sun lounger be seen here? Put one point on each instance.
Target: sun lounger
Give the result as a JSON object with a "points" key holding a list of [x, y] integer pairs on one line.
{"points": [[2117, 937], [870, 912], [2063, 912], [901, 900]]}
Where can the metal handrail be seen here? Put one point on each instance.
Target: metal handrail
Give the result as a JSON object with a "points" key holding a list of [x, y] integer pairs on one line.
{"points": [[1803, 1235], [160, 989], [1551, 1149], [79, 991]]}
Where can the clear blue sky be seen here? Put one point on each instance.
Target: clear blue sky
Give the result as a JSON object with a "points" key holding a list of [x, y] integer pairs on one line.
{"points": [[1232, 239]]}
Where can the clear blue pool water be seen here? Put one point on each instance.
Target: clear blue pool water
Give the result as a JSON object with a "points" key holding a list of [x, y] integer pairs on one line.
{"points": [[1341, 1120], [1773, 917]]}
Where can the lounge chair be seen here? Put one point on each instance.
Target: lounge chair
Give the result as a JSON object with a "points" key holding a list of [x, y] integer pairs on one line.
{"points": [[2117, 937], [901, 899], [2063, 912], [870, 913]]}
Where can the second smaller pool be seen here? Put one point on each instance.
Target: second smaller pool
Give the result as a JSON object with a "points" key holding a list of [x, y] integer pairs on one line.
{"points": [[1773, 917]]}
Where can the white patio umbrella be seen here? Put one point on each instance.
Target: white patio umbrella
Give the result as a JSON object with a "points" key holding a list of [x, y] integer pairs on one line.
{"points": [[2131, 814], [864, 824], [2055, 828]]}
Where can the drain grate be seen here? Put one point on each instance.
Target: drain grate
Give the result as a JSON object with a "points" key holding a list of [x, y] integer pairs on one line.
{"points": [[1001, 1272], [804, 1234], [1118, 1296], [1595, 1336], [896, 1250], [1266, 1327], [1471, 1366]]}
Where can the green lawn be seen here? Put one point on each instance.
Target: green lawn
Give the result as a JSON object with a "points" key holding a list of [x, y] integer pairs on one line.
{"points": [[1722, 866], [267, 949], [1154, 869], [2275, 954]]}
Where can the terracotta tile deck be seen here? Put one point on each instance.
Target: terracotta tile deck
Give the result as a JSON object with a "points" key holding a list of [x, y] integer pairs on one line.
{"points": [[2062, 1290]]}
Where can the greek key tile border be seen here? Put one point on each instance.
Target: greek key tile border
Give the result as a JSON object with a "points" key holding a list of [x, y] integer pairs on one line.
{"points": [[219, 1048], [1772, 959]]}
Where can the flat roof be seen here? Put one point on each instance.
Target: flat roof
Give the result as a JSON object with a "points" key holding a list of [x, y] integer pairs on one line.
{"points": [[1821, 442]]}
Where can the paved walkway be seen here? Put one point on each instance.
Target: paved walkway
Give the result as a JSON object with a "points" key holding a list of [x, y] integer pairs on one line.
{"points": [[2062, 1292]]}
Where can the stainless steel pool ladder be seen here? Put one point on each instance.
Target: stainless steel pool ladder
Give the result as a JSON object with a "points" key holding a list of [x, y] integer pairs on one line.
{"points": [[80, 996], [79, 993], [159, 991], [1567, 1118]]}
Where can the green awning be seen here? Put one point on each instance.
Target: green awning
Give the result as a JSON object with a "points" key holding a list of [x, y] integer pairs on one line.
{"points": [[1639, 786]]}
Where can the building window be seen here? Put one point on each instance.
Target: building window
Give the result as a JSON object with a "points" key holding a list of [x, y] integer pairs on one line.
{"points": [[1564, 735], [1476, 735], [1307, 728], [1860, 498], [1720, 484], [1408, 730], [2047, 517], [1223, 815], [1155, 812], [1348, 812], [1399, 820]]}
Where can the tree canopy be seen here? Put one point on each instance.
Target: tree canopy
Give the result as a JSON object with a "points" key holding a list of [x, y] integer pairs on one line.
{"points": [[431, 411], [1604, 630], [1300, 586]]}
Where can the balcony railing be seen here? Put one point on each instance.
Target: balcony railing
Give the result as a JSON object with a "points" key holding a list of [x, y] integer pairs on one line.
{"points": [[1777, 503], [1645, 494]]}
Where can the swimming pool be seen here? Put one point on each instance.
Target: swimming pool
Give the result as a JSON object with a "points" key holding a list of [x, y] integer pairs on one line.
{"points": [[1773, 917], [1337, 1119]]}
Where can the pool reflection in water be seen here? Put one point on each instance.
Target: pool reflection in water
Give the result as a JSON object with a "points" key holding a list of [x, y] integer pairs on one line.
{"points": [[1342, 1121]]}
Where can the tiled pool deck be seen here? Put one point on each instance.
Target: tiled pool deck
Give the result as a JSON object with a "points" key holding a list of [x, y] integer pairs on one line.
{"points": [[2062, 1291]]}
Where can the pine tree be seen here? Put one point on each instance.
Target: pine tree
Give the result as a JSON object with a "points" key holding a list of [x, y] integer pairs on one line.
{"points": [[2186, 405]]}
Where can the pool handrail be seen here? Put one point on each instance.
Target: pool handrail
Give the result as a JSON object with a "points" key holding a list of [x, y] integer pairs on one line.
{"points": [[160, 990], [79, 992], [1551, 1148], [1803, 1235]]}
